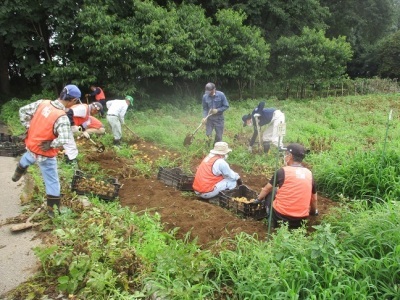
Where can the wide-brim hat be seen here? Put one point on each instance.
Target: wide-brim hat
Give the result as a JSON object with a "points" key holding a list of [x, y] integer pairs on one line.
{"points": [[220, 148]]}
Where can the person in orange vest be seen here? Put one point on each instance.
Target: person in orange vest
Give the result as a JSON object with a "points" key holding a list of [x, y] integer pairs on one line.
{"points": [[296, 195], [95, 126], [79, 119], [99, 96], [214, 173], [48, 130]]}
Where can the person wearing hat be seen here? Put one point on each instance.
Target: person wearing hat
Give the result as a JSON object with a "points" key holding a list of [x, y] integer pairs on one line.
{"points": [[296, 194], [48, 130], [214, 173], [271, 117], [214, 104], [99, 96], [79, 119], [116, 116]]}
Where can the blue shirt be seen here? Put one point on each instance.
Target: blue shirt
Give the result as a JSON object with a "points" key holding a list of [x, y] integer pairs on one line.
{"points": [[217, 101], [266, 115]]}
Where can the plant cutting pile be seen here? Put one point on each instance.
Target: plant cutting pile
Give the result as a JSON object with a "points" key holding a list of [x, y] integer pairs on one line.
{"points": [[157, 240]]}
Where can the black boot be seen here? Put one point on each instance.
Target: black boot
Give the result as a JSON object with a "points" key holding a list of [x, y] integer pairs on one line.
{"points": [[266, 146], [69, 161], [117, 142], [19, 171], [53, 202]]}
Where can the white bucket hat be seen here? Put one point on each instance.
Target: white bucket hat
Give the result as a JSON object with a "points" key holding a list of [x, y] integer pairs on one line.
{"points": [[220, 148]]}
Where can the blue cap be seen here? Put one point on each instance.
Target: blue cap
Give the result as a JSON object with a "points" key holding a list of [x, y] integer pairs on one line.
{"points": [[73, 91]]}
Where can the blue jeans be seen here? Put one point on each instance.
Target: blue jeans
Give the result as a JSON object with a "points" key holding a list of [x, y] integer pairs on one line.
{"points": [[49, 171]]}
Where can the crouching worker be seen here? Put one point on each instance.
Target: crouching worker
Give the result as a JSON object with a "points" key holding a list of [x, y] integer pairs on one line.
{"points": [[214, 174], [48, 130], [95, 126], [296, 195]]}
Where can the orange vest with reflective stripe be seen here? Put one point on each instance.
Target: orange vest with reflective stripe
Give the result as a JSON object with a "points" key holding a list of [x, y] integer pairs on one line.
{"points": [[41, 128], [100, 96], [80, 120], [95, 123], [294, 196], [205, 180]]}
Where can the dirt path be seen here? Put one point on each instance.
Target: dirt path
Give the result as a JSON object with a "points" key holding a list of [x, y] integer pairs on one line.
{"points": [[18, 262]]}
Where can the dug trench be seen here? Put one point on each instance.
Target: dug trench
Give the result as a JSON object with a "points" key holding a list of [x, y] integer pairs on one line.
{"points": [[204, 221]]}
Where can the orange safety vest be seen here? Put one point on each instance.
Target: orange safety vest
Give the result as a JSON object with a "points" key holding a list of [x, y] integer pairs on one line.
{"points": [[41, 128], [205, 180], [100, 96], [80, 120], [294, 196], [95, 123]]}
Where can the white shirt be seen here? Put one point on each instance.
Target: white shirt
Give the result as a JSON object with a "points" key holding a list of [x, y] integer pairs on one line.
{"points": [[117, 108]]}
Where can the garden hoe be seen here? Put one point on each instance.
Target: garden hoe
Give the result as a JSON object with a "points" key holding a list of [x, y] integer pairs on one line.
{"points": [[133, 133], [257, 118], [189, 137], [99, 146], [27, 224]]}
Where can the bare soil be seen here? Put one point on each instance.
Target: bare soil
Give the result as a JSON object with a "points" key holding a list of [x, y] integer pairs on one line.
{"points": [[206, 222]]}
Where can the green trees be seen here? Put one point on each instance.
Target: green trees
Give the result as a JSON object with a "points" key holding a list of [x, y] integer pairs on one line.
{"points": [[310, 58]]}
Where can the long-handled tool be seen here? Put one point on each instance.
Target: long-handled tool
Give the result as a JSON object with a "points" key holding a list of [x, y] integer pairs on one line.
{"points": [[133, 133], [190, 136], [257, 118], [27, 224], [99, 146]]}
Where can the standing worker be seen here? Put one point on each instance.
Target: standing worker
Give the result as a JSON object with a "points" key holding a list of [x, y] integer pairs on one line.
{"points": [[214, 104], [48, 130], [115, 116], [99, 96], [261, 116], [214, 173], [296, 196]]}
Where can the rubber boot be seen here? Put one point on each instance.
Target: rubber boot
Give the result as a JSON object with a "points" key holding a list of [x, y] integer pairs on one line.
{"points": [[266, 146], [117, 142], [69, 161], [19, 171], [51, 202]]}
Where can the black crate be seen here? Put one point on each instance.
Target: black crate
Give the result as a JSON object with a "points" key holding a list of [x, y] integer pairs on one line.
{"points": [[11, 149], [103, 188], [176, 178], [248, 210], [10, 138]]}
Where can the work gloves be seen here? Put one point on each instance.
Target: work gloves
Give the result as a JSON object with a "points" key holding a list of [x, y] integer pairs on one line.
{"points": [[86, 135], [214, 111], [75, 128], [256, 201], [45, 145], [239, 182]]}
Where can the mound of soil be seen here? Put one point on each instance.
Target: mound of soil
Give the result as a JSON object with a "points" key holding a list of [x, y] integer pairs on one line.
{"points": [[205, 221]]}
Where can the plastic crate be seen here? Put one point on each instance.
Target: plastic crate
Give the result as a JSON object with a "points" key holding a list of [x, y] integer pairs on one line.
{"points": [[176, 178], [248, 210], [10, 138], [103, 188]]}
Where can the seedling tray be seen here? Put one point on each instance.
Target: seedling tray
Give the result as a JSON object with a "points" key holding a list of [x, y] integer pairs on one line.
{"points": [[103, 188], [11, 145], [176, 178], [229, 200]]}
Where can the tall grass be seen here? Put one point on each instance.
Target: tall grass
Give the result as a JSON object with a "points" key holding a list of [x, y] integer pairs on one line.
{"points": [[109, 252]]}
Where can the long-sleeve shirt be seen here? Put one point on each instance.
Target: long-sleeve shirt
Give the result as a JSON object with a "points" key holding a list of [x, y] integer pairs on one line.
{"points": [[117, 108], [62, 128], [217, 101], [266, 115], [221, 167]]}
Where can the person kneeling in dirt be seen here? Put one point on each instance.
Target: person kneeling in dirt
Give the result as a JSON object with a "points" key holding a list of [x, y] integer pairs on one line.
{"points": [[261, 116], [95, 126], [296, 195], [214, 173], [116, 116], [48, 130]]}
